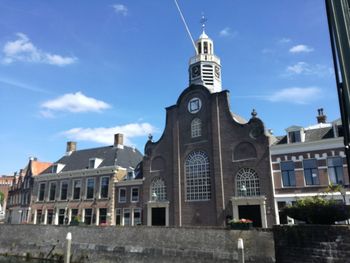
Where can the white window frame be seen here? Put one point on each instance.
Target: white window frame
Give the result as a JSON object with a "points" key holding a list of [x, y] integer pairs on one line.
{"points": [[86, 187], [119, 195], [196, 172], [51, 183], [133, 216], [100, 190], [131, 195], [75, 180], [196, 128], [38, 199], [64, 181], [250, 179], [158, 187], [130, 215]]}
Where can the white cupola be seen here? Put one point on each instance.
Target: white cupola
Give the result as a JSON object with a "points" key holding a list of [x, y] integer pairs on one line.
{"points": [[205, 68]]}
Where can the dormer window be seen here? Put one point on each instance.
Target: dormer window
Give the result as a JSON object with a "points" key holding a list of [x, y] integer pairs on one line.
{"points": [[294, 136], [57, 168], [94, 163]]}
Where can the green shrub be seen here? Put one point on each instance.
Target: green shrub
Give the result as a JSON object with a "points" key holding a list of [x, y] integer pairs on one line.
{"points": [[318, 210]]}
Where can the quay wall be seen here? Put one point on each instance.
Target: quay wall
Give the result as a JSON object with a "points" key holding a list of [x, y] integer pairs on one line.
{"points": [[312, 243], [136, 244]]}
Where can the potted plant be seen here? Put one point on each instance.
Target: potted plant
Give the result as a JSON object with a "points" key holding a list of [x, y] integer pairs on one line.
{"points": [[241, 224]]}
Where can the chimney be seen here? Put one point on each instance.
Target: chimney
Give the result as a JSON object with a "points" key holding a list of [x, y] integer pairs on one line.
{"points": [[321, 118], [119, 141], [71, 147]]}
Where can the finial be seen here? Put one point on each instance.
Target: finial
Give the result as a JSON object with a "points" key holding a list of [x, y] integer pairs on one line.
{"points": [[203, 20], [254, 113], [150, 137]]}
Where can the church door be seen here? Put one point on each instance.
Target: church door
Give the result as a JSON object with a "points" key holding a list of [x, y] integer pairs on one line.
{"points": [[158, 216], [251, 212]]}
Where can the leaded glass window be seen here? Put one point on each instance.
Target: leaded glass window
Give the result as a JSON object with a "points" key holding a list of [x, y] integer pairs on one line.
{"points": [[247, 182], [196, 128], [158, 190], [198, 187]]}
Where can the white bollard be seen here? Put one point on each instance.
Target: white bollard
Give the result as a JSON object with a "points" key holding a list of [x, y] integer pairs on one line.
{"points": [[240, 247], [68, 247]]}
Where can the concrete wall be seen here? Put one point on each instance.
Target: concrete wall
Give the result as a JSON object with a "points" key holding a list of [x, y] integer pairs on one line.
{"points": [[136, 244], [312, 243]]}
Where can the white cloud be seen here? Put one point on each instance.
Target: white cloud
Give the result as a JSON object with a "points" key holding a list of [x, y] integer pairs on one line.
{"points": [[300, 49], [121, 9], [303, 68], [23, 49], [284, 40], [296, 95], [227, 32], [73, 102], [106, 135]]}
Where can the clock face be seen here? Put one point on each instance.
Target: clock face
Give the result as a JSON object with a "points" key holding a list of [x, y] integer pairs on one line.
{"points": [[256, 131], [217, 72], [194, 105], [195, 71]]}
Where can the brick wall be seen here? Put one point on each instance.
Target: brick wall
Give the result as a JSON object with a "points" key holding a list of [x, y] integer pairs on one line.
{"points": [[137, 244], [312, 243]]}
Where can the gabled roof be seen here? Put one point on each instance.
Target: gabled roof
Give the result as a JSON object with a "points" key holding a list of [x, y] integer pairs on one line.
{"points": [[110, 155], [37, 167], [311, 135]]}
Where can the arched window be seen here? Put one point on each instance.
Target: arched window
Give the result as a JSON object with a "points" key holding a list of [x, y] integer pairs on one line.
{"points": [[197, 177], [158, 190], [247, 182], [196, 128]]}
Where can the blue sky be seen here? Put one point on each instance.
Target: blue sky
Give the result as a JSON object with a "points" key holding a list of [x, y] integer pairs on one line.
{"points": [[84, 70]]}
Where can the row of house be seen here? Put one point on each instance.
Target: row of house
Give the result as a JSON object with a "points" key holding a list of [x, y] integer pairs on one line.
{"points": [[208, 166], [105, 186]]}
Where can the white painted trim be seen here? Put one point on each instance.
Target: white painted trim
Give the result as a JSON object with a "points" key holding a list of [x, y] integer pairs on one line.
{"points": [[49, 194], [100, 186], [86, 186], [324, 144], [153, 204], [122, 188], [130, 182], [250, 200], [79, 173], [308, 194], [64, 181], [138, 195], [81, 184]]}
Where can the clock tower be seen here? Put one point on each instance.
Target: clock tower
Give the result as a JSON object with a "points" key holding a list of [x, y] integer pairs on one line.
{"points": [[205, 68]]}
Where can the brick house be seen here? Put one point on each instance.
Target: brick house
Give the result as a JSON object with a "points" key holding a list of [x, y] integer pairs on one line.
{"points": [[81, 184], [307, 160], [20, 193], [5, 184], [210, 164], [128, 197]]}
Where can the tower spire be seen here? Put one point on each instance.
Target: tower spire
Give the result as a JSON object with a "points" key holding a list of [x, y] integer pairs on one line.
{"points": [[205, 67], [203, 21]]}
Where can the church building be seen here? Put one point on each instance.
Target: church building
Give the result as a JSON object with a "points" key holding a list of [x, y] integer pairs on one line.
{"points": [[209, 165]]}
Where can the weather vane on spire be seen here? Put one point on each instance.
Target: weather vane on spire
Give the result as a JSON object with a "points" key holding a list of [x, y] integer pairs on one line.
{"points": [[203, 20]]}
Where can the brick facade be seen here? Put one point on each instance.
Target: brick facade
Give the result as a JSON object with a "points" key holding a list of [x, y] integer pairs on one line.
{"points": [[230, 146]]}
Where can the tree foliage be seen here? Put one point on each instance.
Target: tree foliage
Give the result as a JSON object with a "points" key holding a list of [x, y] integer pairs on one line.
{"points": [[318, 210]]}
